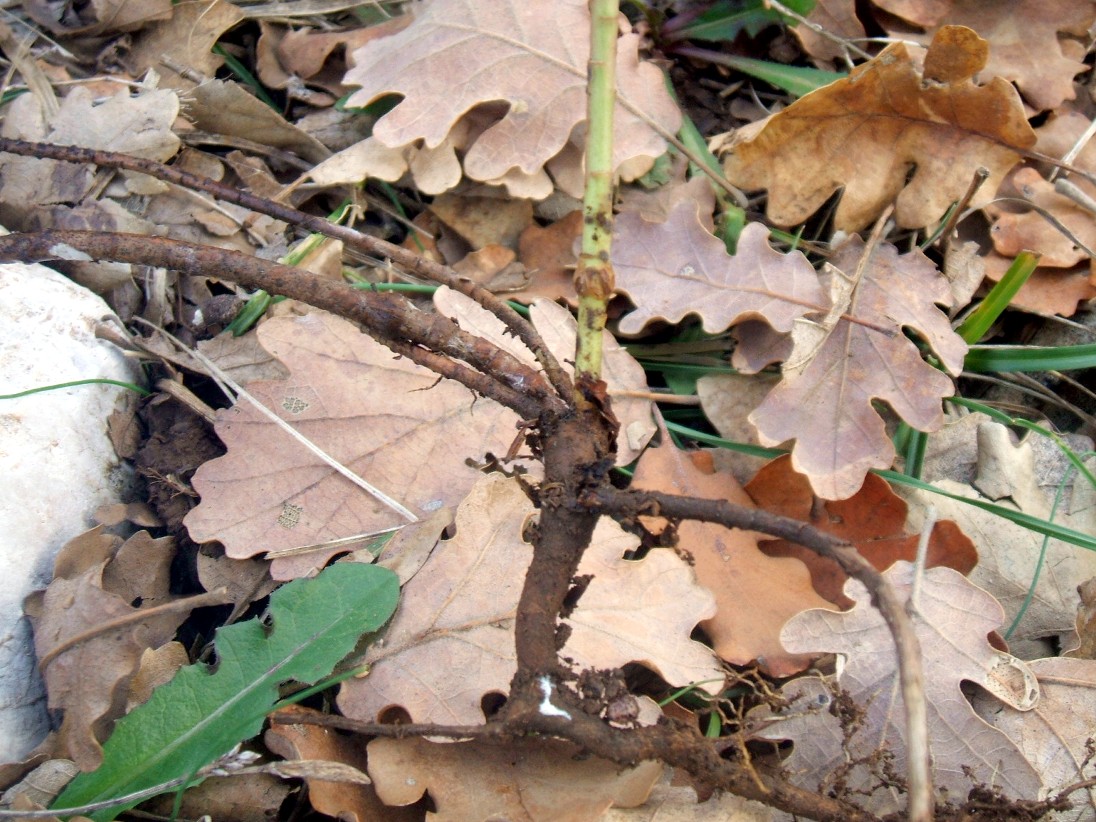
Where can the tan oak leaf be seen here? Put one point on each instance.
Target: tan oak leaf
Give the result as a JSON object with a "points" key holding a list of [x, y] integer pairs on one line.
{"points": [[677, 267], [388, 420], [825, 400], [865, 133], [451, 642], [952, 618], [460, 55]]}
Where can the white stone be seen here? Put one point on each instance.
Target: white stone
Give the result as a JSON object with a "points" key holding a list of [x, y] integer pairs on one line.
{"points": [[57, 464]]}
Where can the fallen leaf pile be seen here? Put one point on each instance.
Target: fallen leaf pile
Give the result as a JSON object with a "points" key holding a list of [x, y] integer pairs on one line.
{"points": [[457, 129]]}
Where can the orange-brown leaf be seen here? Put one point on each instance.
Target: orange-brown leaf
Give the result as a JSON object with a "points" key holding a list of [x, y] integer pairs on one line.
{"points": [[873, 520], [866, 132], [755, 594]]}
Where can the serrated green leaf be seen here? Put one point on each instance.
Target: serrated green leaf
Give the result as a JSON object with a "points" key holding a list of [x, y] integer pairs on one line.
{"points": [[201, 714]]}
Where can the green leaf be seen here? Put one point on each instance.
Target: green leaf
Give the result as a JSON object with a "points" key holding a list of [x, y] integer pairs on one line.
{"points": [[797, 80], [979, 320], [983, 358], [726, 19], [200, 715]]}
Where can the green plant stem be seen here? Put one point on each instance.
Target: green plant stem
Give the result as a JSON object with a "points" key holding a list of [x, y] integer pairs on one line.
{"points": [[594, 279]]}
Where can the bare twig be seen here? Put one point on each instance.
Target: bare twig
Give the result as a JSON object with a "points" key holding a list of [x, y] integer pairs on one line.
{"points": [[388, 317], [373, 246], [632, 503]]}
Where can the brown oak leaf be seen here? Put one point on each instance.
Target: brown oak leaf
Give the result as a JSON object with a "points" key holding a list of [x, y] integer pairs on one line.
{"points": [[678, 267], [388, 420], [755, 594], [451, 641], [525, 780], [952, 618], [873, 519], [501, 51], [838, 369], [866, 132], [1023, 36], [96, 577]]}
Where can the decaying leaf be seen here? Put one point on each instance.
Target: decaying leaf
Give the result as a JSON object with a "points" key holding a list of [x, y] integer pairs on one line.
{"points": [[755, 594], [451, 642], [952, 618], [527, 780], [831, 380], [865, 133], [1056, 735], [87, 677], [873, 519], [502, 51], [1010, 554], [387, 419], [341, 800], [678, 267], [1025, 47], [139, 125]]}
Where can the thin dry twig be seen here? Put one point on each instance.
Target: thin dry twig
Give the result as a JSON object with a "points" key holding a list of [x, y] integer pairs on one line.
{"points": [[406, 259]]}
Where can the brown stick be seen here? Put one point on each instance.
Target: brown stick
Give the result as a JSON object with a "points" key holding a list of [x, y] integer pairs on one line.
{"points": [[389, 317], [673, 743], [631, 503], [406, 259]]}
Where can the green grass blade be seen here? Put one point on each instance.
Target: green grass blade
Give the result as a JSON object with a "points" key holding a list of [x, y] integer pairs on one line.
{"points": [[1039, 526], [144, 392], [246, 77], [991, 358], [979, 321], [796, 80], [200, 715]]}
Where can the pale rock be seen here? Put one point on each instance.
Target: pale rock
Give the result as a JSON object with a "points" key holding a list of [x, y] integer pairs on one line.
{"points": [[56, 459]]}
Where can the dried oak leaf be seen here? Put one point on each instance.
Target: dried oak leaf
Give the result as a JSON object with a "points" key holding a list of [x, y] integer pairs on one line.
{"points": [[678, 267], [526, 780], [1056, 735], [858, 355], [1023, 36], [1011, 556], [866, 132], [460, 54], [88, 679], [755, 594], [386, 419], [873, 519], [341, 800], [835, 17], [952, 618], [452, 639]]}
